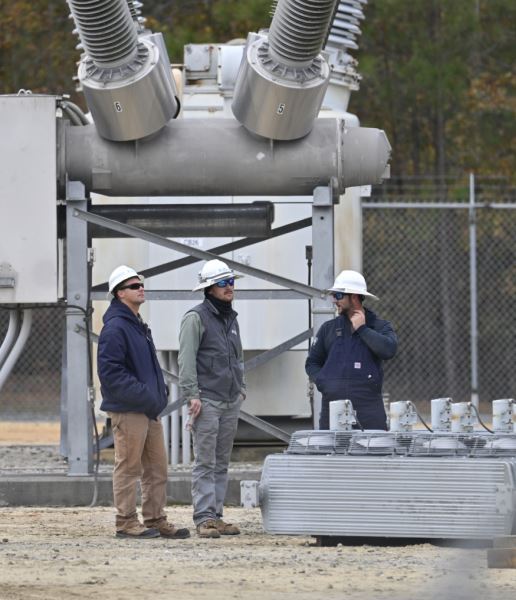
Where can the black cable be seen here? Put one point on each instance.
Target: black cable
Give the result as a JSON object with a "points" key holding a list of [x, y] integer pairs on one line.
{"points": [[420, 417], [87, 323], [358, 423], [479, 419]]}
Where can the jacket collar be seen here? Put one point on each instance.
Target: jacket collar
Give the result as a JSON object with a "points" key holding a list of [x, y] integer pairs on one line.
{"points": [[119, 309]]}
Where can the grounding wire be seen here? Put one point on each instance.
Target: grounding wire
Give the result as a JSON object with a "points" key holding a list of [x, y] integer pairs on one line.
{"points": [[420, 417], [479, 419]]}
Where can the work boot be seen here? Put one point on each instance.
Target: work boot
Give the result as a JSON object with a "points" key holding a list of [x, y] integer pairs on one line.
{"points": [[137, 531], [226, 528], [208, 529], [168, 530]]}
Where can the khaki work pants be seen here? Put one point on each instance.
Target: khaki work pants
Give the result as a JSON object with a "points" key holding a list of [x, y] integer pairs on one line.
{"points": [[139, 455]]}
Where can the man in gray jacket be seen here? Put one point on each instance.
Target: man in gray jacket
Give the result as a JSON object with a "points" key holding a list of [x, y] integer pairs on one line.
{"points": [[211, 378]]}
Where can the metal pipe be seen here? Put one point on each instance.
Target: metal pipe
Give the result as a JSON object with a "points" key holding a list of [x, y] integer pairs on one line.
{"points": [[10, 335], [175, 433], [17, 349], [473, 292], [191, 158], [182, 220]]}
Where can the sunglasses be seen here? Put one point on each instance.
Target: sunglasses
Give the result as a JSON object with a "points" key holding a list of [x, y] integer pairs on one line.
{"points": [[338, 295], [225, 282], [132, 286]]}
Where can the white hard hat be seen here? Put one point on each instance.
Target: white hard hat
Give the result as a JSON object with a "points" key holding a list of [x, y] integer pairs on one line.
{"points": [[351, 282], [120, 274], [213, 271]]}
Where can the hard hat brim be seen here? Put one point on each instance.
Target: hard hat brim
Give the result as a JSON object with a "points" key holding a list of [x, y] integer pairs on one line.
{"points": [[352, 291], [213, 281]]}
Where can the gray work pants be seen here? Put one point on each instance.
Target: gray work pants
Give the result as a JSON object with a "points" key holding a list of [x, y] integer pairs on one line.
{"points": [[213, 434]]}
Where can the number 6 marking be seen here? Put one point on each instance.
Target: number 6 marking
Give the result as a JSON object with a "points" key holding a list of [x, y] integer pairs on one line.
{"points": [[118, 106]]}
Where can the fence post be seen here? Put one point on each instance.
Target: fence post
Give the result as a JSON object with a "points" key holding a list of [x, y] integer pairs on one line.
{"points": [[473, 291]]}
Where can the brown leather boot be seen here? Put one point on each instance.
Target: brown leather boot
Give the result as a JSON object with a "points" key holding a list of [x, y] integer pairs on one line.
{"points": [[226, 528], [168, 530], [137, 531], [208, 529]]}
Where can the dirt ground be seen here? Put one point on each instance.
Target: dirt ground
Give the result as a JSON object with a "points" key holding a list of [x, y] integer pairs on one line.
{"points": [[28, 432], [71, 553], [55, 553]]}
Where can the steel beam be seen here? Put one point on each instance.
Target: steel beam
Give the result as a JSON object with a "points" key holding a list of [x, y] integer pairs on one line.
{"points": [[264, 426], [252, 364], [78, 406], [189, 295], [323, 266], [182, 220], [264, 357], [229, 247], [307, 290]]}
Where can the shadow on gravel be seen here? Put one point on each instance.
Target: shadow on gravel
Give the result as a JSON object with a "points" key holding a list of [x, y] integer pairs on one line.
{"points": [[329, 541]]}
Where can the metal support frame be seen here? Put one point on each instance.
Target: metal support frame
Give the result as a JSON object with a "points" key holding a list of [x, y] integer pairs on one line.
{"points": [[78, 408], [189, 295], [136, 232], [323, 266], [229, 247], [176, 405]]}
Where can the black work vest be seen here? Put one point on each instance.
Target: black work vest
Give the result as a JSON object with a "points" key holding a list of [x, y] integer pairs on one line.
{"points": [[219, 369]]}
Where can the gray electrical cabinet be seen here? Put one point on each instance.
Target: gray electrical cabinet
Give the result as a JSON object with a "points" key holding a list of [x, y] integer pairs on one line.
{"points": [[28, 218]]}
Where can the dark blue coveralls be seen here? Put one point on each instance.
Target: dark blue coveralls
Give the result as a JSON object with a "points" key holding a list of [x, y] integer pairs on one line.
{"points": [[348, 365]]}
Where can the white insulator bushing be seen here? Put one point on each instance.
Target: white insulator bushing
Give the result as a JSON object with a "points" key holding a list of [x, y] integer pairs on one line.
{"points": [[402, 416], [342, 415], [106, 30], [441, 414], [298, 30], [504, 415], [462, 417]]}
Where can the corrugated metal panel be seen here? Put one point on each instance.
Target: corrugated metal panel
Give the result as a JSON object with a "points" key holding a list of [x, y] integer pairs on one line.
{"points": [[387, 496]]}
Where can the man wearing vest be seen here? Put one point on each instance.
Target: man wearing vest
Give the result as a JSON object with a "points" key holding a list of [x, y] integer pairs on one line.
{"points": [[345, 360], [211, 378]]}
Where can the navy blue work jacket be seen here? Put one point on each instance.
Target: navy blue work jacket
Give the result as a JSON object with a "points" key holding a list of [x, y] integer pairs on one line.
{"points": [[348, 365], [130, 375]]}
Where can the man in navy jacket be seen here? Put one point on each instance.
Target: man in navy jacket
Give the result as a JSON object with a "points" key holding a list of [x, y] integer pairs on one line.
{"points": [[345, 360], [134, 394]]}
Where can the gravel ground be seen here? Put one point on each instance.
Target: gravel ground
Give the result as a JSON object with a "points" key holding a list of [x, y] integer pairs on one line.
{"points": [[72, 553], [65, 553]]}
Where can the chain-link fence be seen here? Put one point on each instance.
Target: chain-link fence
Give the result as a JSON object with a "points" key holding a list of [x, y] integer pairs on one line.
{"points": [[417, 241], [418, 245], [33, 389]]}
